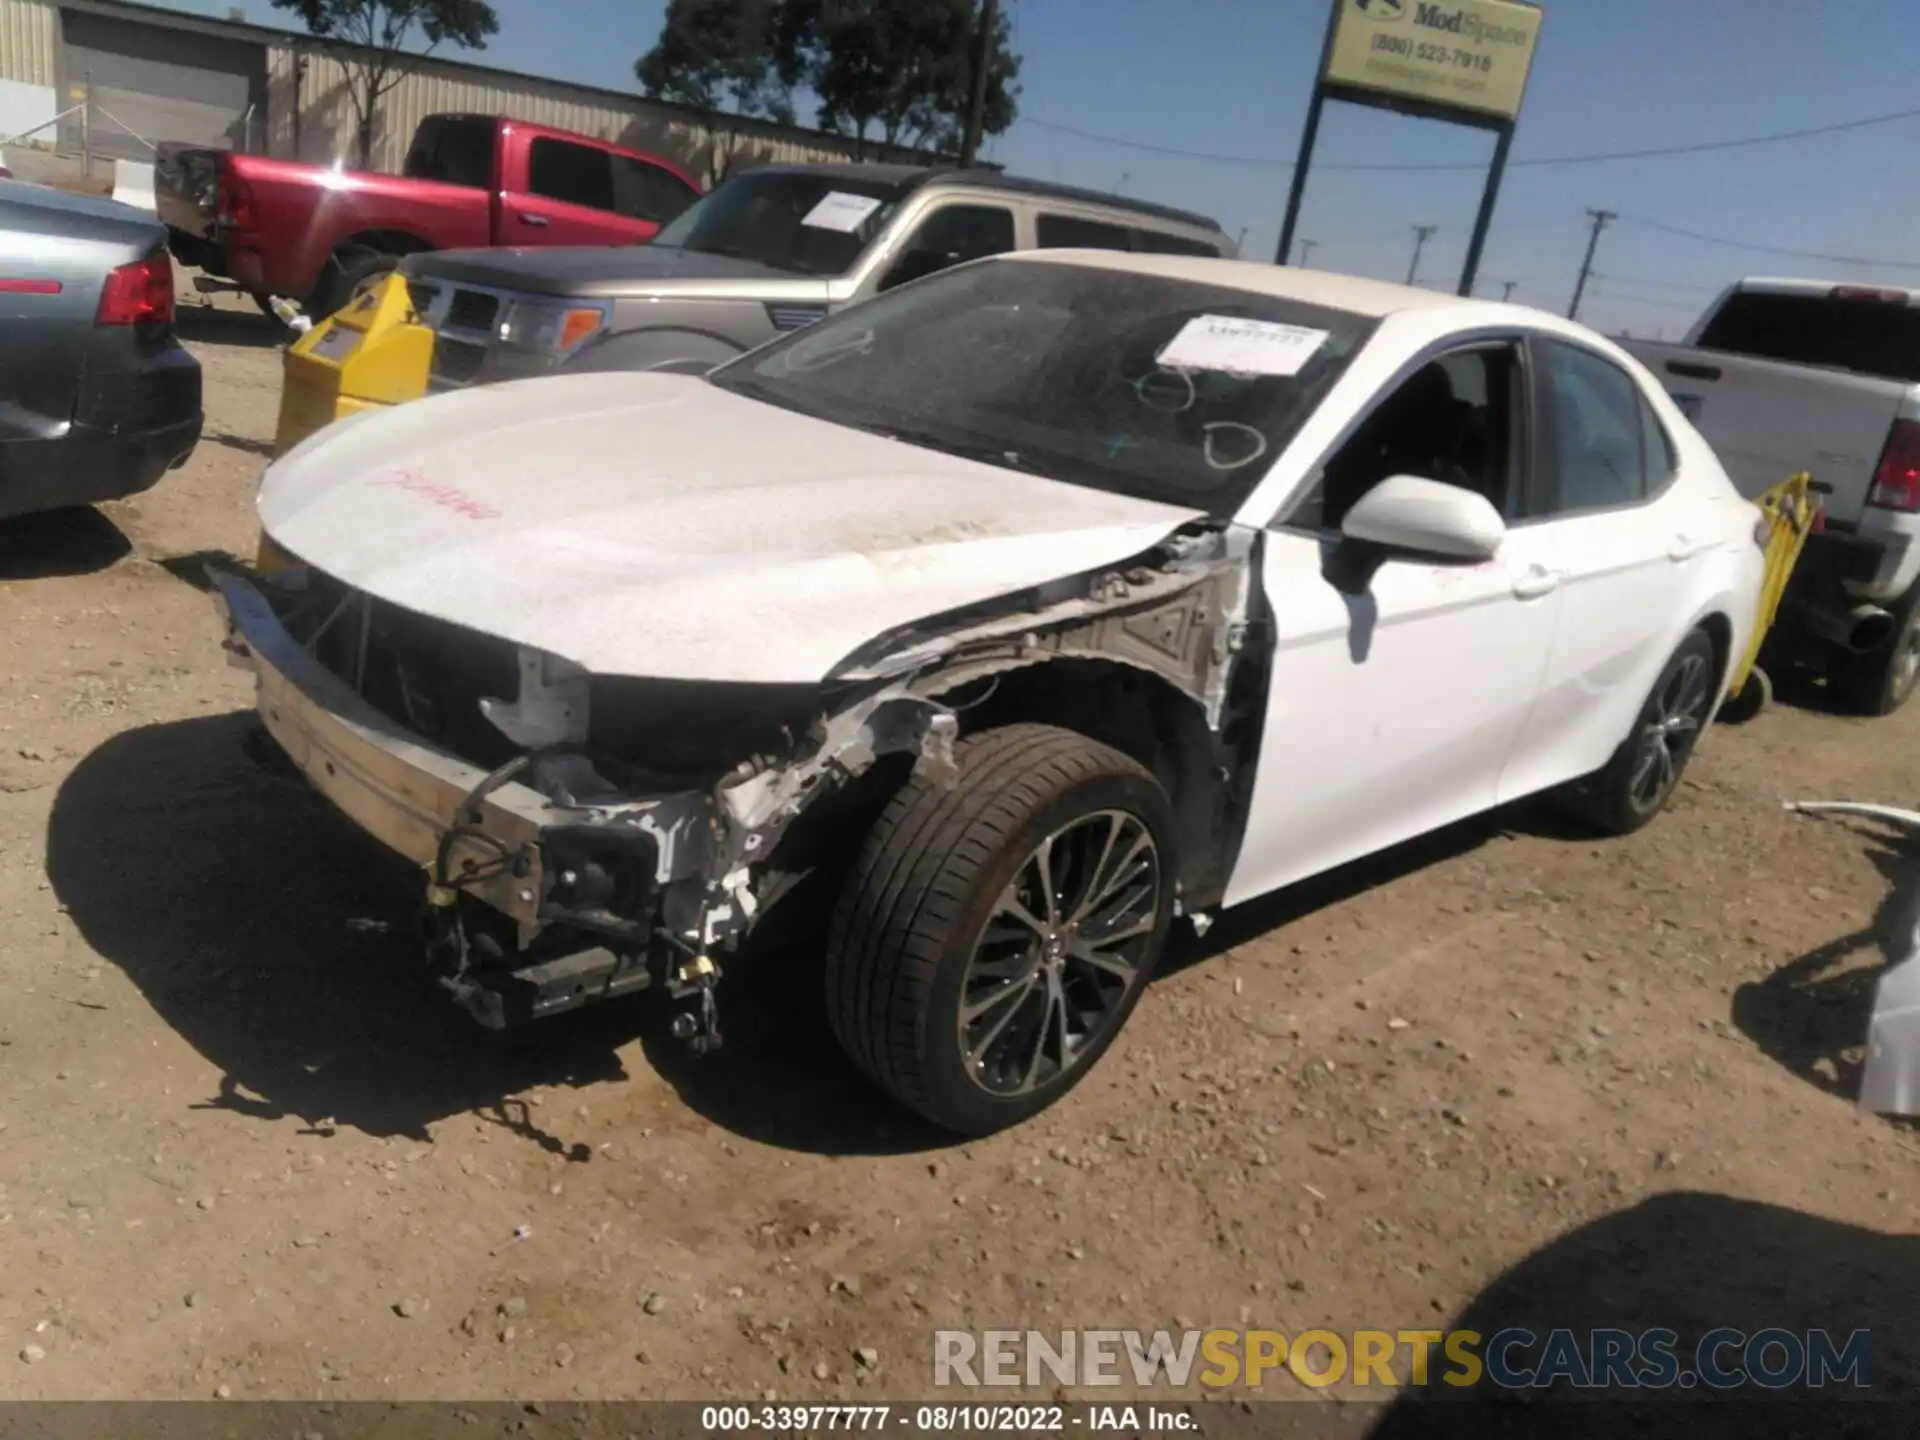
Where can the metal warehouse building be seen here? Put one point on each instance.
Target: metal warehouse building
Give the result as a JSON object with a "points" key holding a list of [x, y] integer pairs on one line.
{"points": [[156, 74]]}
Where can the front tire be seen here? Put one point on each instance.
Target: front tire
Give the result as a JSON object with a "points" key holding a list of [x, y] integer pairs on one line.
{"points": [[996, 933], [1636, 784]]}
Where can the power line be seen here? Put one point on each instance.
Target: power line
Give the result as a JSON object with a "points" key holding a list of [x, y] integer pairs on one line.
{"points": [[1655, 225], [1691, 286], [1590, 158]]}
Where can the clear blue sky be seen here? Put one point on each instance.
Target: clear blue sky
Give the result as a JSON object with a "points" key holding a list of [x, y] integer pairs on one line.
{"points": [[1231, 77]]}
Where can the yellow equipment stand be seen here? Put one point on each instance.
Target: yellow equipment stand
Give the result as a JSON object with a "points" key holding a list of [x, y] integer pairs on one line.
{"points": [[1791, 511], [368, 355]]}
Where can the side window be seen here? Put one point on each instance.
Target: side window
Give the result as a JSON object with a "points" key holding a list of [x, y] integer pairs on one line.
{"points": [[646, 192], [1662, 459], [1453, 420], [1156, 242], [1069, 232], [1595, 423], [949, 236], [576, 174]]}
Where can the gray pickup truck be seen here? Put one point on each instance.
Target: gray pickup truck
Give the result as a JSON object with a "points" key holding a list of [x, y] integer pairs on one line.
{"points": [[770, 250], [1822, 376]]}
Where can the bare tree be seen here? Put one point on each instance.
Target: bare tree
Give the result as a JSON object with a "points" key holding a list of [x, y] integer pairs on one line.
{"points": [[371, 35]]}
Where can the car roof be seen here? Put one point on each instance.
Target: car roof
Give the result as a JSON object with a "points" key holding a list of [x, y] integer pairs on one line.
{"points": [[1355, 294], [915, 176]]}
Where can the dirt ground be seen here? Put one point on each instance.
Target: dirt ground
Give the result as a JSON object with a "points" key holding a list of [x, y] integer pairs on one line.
{"points": [[245, 1152]]}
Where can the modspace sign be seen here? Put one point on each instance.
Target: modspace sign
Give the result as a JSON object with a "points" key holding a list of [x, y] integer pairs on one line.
{"points": [[1466, 55]]}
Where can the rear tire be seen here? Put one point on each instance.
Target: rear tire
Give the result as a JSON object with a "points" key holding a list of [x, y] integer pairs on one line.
{"points": [[1636, 784], [1882, 680], [961, 982], [342, 275]]}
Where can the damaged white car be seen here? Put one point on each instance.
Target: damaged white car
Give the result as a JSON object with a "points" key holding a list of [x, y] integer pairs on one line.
{"points": [[1027, 607]]}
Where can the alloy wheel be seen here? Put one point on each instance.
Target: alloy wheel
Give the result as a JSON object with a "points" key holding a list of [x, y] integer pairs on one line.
{"points": [[1061, 952], [1667, 737]]}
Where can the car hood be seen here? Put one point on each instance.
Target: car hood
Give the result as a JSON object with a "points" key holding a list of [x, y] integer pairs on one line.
{"points": [[603, 271], [657, 525]]}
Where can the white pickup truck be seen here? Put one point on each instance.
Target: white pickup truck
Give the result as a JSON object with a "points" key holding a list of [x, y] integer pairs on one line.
{"points": [[1782, 376]]}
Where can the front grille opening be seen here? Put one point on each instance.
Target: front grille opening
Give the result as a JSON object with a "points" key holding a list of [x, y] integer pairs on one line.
{"points": [[456, 362], [472, 310], [429, 676]]}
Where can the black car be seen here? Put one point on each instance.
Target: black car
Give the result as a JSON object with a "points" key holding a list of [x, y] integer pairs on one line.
{"points": [[97, 398]]}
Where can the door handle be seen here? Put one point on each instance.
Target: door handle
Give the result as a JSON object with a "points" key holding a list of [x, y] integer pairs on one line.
{"points": [[1536, 581], [1685, 547], [526, 219]]}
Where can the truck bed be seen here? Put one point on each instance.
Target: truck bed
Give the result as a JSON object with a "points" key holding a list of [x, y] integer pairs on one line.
{"points": [[1768, 420]]}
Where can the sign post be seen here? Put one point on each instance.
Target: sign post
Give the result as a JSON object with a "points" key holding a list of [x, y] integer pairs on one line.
{"points": [[1463, 61]]}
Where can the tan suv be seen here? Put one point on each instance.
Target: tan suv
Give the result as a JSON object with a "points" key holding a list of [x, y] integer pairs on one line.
{"points": [[772, 249]]}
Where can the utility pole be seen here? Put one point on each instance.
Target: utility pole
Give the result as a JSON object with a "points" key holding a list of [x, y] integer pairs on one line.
{"points": [[1506, 290], [982, 53], [1421, 234], [1306, 251], [1600, 219]]}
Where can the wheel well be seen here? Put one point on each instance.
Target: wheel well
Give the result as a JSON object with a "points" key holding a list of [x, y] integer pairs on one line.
{"points": [[1720, 631], [1146, 718], [387, 242]]}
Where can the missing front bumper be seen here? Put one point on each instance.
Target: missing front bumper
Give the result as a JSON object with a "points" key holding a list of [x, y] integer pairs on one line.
{"points": [[403, 792]]}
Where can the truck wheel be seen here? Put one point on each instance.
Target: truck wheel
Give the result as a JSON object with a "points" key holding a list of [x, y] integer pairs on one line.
{"points": [[342, 275], [1635, 785], [994, 934], [1746, 702], [1882, 680]]}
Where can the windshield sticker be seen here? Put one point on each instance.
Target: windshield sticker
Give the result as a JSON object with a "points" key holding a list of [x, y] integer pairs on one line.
{"points": [[840, 211], [1235, 346]]}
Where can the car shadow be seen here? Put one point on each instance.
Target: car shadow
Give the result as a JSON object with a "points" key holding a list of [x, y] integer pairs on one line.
{"points": [[1692, 1263], [218, 325], [278, 941], [1811, 1014], [780, 1078], [55, 543], [245, 444], [191, 569]]}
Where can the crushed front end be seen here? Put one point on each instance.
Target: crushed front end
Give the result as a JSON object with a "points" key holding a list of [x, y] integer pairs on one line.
{"points": [[586, 836], [558, 870]]}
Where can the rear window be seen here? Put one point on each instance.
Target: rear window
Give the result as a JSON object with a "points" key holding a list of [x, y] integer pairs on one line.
{"points": [[454, 149], [1155, 242], [1869, 337], [1071, 232]]}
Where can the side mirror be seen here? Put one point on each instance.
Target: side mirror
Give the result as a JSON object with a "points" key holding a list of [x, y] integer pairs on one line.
{"points": [[1405, 512], [916, 263]]}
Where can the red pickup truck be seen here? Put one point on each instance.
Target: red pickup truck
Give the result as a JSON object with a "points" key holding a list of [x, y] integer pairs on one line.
{"points": [[311, 233]]}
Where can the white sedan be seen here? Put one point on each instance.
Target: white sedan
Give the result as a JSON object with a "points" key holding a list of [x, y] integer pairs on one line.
{"points": [[1011, 615]]}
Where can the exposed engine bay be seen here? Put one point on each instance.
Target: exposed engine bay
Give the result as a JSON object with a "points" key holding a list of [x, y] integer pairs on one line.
{"points": [[621, 833]]}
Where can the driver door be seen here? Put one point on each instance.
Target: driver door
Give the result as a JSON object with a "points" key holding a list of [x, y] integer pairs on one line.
{"points": [[1399, 684]]}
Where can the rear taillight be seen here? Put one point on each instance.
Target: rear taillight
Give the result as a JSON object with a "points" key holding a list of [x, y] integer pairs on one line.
{"points": [[1896, 484], [138, 294], [234, 204]]}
